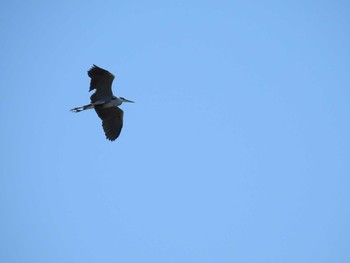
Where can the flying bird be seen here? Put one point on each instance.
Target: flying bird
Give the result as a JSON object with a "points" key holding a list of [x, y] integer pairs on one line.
{"points": [[104, 102]]}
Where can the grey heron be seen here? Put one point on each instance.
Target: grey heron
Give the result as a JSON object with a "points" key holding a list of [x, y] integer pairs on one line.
{"points": [[104, 102]]}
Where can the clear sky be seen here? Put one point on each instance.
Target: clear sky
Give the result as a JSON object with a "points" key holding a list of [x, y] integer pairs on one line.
{"points": [[236, 150]]}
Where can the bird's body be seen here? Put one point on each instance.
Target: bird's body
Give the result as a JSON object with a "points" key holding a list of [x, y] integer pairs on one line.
{"points": [[104, 102]]}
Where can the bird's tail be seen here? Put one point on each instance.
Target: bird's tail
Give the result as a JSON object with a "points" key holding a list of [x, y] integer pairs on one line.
{"points": [[85, 107]]}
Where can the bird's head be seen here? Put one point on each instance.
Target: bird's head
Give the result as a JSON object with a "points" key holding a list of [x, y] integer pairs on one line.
{"points": [[125, 100]]}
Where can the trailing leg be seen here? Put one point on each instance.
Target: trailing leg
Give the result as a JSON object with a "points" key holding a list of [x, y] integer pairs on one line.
{"points": [[85, 107]]}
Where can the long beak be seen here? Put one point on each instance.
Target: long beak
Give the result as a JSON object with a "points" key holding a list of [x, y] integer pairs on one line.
{"points": [[125, 100]]}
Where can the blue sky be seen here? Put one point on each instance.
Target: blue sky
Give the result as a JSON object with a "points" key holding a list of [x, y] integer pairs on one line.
{"points": [[236, 150]]}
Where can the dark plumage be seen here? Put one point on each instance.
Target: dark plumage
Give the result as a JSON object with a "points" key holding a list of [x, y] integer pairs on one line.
{"points": [[104, 102], [112, 121]]}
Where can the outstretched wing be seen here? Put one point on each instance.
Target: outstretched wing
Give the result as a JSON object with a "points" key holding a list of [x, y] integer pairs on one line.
{"points": [[112, 121], [101, 81]]}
